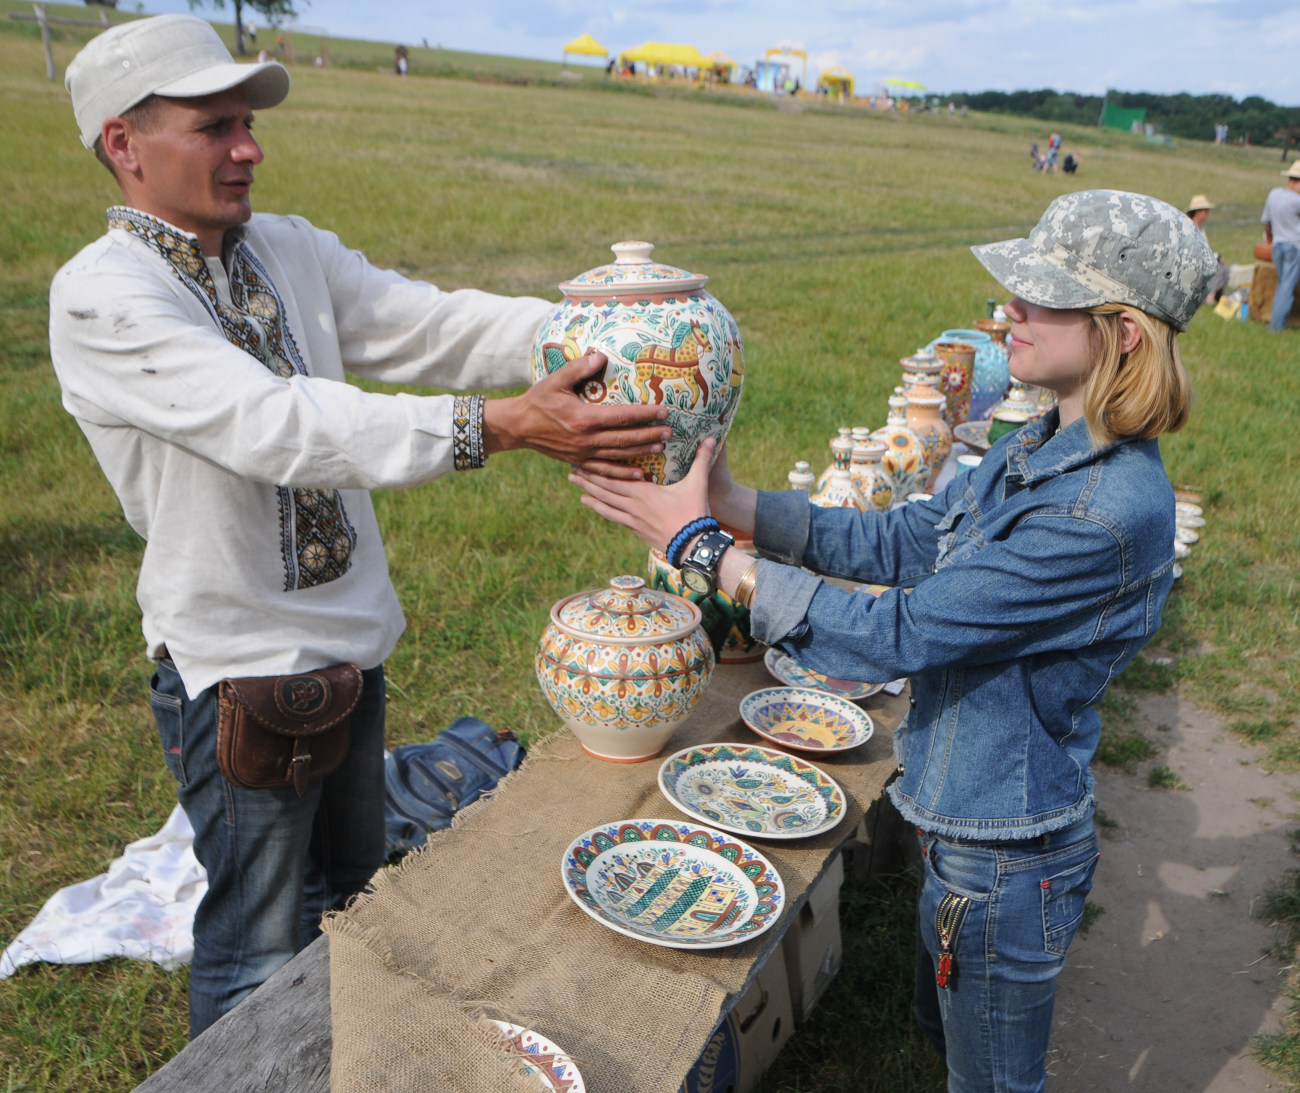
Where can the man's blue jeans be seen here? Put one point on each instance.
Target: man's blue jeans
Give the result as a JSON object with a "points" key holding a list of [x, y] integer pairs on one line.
{"points": [[275, 861], [1013, 909], [1286, 259]]}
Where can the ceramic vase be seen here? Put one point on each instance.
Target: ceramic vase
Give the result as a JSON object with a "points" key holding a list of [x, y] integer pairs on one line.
{"points": [[956, 378], [991, 382], [667, 341], [1020, 401], [921, 372], [870, 477], [925, 419], [718, 613], [841, 455], [622, 666], [839, 492], [904, 458]]}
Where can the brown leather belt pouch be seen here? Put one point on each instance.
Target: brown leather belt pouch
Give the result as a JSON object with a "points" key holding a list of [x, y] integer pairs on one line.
{"points": [[274, 731]]}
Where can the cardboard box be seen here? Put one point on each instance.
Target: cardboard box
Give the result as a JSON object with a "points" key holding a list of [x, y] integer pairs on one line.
{"points": [[812, 945], [1262, 288], [750, 1037]]}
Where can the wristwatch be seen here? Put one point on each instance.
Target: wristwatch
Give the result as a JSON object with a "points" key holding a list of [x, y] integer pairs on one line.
{"points": [[700, 567]]}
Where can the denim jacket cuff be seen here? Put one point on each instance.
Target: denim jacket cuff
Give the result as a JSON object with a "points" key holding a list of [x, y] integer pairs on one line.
{"points": [[781, 525], [779, 609]]}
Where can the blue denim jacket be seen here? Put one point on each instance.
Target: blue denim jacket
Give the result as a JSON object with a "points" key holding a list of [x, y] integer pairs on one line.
{"points": [[1034, 581]]}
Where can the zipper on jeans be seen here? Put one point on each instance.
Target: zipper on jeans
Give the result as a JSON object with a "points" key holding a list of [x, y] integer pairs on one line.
{"points": [[947, 920]]}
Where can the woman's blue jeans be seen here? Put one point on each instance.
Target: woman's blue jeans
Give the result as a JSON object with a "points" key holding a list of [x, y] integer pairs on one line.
{"points": [[1004, 914], [275, 861]]}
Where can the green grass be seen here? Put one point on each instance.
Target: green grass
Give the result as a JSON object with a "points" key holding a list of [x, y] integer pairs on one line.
{"points": [[839, 241]]}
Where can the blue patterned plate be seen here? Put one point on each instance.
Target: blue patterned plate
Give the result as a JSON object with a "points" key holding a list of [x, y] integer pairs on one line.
{"points": [[793, 674], [974, 434], [752, 791], [806, 720], [675, 884]]}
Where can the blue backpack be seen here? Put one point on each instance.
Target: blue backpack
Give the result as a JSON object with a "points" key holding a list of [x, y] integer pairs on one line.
{"points": [[425, 784]]}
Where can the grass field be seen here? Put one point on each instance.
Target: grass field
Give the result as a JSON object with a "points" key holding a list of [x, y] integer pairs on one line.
{"points": [[839, 241]]}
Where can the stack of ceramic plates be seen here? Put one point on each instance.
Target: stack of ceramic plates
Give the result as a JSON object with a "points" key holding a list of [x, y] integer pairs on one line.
{"points": [[1189, 518]]}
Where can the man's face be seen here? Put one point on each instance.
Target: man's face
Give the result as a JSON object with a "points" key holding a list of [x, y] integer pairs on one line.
{"points": [[193, 166]]}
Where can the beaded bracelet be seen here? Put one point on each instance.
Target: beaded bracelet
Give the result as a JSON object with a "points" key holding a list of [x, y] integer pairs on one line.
{"points": [[677, 544]]}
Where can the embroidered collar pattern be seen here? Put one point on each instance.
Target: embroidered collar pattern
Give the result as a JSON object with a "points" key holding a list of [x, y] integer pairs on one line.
{"points": [[316, 536]]}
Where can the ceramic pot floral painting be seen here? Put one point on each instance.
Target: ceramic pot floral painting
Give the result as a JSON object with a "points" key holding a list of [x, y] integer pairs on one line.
{"points": [[668, 343]]}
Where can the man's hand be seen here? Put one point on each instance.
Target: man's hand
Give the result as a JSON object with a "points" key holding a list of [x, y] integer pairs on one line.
{"points": [[551, 418]]}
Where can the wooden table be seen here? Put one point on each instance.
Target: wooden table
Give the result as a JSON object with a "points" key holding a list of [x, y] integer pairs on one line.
{"points": [[280, 1038]]}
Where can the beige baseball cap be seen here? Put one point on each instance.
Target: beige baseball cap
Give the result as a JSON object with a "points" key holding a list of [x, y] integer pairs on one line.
{"points": [[179, 56]]}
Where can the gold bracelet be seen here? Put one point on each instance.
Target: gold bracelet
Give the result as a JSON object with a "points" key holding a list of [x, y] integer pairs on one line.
{"points": [[745, 587]]}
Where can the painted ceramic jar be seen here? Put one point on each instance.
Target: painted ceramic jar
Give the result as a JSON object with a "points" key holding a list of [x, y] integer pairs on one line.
{"points": [[622, 666], [905, 455], [1020, 400], [921, 372], [839, 492], [925, 419], [718, 612], [668, 342], [991, 383], [801, 478], [870, 476], [956, 377]]}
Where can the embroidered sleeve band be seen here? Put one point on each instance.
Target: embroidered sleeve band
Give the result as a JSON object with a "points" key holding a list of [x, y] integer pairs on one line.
{"points": [[467, 432]]}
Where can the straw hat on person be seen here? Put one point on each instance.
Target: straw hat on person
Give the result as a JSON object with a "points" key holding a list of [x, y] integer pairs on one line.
{"points": [[1293, 171], [1200, 201]]}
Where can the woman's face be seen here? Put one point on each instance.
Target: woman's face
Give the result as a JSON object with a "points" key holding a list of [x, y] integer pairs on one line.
{"points": [[1050, 347]]}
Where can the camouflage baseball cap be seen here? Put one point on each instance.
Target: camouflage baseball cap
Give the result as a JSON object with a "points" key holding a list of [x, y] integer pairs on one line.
{"points": [[1099, 246]]}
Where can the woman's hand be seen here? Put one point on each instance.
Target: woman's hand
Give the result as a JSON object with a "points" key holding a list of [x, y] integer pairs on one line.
{"points": [[654, 513]]}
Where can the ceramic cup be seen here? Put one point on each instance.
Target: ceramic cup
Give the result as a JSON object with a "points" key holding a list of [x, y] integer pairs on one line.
{"points": [[967, 463]]}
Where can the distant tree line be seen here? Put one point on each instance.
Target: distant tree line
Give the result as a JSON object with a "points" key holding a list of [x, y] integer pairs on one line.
{"points": [[1191, 116]]}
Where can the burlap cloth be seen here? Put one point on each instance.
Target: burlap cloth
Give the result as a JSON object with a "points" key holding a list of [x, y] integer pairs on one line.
{"points": [[479, 924]]}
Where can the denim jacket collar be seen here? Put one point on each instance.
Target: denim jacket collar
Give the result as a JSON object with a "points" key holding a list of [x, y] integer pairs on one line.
{"points": [[1038, 451]]}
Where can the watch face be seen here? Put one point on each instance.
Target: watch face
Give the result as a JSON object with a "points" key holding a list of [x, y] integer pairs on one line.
{"points": [[696, 581]]}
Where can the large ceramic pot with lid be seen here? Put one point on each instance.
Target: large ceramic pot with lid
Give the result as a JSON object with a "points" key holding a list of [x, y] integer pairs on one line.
{"points": [[668, 343], [623, 666]]}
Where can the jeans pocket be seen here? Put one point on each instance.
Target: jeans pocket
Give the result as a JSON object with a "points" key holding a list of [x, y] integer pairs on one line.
{"points": [[1064, 895], [168, 716]]}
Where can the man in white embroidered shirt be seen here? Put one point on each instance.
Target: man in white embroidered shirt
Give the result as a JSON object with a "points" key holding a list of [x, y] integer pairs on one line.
{"points": [[201, 349]]}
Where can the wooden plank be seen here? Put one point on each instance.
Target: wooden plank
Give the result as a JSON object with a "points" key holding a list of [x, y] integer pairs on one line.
{"points": [[277, 1039]]}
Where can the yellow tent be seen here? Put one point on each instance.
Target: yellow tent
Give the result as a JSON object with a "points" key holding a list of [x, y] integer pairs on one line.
{"points": [[837, 80], [665, 53], [588, 46]]}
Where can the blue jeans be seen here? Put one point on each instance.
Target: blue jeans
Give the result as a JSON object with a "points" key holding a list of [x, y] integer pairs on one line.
{"points": [[275, 861], [1286, 259], [1010, 911]]}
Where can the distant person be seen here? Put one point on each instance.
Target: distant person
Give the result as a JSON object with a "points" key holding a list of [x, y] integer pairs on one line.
{"points": [[1036, 158], [1198, 211], [1053, 151], [251, 28], [1070, 163], [203, 349], [401, 61], [1281, 221]]}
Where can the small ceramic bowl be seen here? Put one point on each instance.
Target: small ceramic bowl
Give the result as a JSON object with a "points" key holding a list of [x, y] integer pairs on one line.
{"points": [[805, 720]]}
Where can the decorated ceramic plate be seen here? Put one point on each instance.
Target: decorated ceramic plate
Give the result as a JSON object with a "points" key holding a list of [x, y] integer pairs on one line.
{"points": [[552, 1068], [752, 791], [1189, 521], [974, 434], [1186, 508], [806, 720], [1186, 535], [793, 674], [676, 884]]}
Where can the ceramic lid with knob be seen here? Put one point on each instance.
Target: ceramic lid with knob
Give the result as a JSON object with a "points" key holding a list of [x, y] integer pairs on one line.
{"points": [[633, 270], [626, 611]]}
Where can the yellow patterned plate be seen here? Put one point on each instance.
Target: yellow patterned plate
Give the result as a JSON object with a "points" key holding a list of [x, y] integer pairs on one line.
{"points": [[806, 720]]}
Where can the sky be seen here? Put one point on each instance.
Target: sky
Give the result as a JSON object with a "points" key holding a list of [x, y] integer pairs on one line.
{"points": [[1237, 47]]}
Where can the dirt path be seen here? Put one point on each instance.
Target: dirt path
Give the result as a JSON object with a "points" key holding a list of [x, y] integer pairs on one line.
{"points": [[1174, 976]]}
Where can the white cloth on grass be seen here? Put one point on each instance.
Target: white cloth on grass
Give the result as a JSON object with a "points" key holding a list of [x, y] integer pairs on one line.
{"points": [[142, 908]]}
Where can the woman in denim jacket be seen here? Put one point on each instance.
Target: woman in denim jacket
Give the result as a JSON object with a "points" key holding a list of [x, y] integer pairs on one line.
{"points": [[1033, 581]]}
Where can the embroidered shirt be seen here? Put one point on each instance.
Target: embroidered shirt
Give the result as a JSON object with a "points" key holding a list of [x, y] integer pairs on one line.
{"points": [[210, 392]]}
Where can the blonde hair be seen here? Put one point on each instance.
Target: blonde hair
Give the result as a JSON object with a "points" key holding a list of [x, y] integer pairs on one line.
{"points": [[1144, 392]]}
